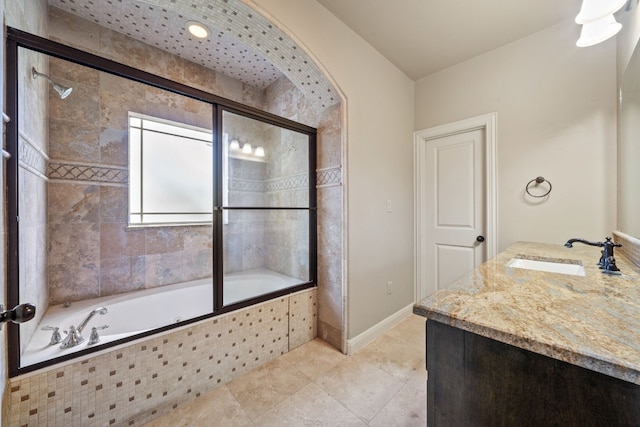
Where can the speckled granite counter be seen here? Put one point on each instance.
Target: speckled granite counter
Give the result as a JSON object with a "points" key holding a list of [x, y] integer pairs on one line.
{"points": [[591, 321]]}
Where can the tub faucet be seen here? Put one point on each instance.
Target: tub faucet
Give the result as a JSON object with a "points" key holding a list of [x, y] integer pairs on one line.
{"points": [[101, 310], [74, 335], [607, 262]]}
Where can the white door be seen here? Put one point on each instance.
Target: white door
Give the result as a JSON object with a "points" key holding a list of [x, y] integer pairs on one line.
{"points": [[455, 218], [452, 218]]}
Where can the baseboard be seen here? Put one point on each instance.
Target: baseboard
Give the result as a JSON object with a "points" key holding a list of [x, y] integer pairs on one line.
{"points": [[379, 329]]}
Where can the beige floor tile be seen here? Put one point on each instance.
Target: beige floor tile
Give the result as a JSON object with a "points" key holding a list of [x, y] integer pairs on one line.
{"points": [[216, 408], [311, 406], [363, 388], [383, 384], [408, 408], [265, 387], [411, 330], [315, 358], [400, 359]]}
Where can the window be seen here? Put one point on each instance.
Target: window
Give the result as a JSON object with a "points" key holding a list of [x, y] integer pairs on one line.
{"points": [[170, 172]]}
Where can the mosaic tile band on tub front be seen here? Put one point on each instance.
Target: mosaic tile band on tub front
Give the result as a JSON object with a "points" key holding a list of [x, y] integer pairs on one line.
{"points": [[138, 382]]}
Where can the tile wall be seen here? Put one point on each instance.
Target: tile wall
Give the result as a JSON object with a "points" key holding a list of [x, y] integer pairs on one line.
{"points": [[33, 139], [283, 98], [115, 387], [92, 251], [276, 240], [135, 383]]}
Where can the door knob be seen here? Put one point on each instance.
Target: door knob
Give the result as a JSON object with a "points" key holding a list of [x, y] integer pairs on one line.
{"points": [[480, 239]]}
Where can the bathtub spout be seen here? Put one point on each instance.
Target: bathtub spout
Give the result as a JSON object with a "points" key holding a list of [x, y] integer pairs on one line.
{"points": [[83, 324], [72, 339], [74, 336]]}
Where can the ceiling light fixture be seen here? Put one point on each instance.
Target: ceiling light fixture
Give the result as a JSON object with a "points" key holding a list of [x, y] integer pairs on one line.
{"points": [[259, 152], [598, 31], [245, 151], [598, 22], [197, 29]]}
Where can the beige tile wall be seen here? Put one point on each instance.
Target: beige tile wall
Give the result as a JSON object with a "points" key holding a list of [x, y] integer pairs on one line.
{"points": [[135, 383], [132, 384], [284, 99]]}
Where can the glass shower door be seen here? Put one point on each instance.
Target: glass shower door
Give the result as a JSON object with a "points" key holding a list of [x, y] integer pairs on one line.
{"points": [[268, 213]]}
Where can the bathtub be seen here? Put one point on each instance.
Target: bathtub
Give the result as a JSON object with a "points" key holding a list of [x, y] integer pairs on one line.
{"points": [[140, 311]]}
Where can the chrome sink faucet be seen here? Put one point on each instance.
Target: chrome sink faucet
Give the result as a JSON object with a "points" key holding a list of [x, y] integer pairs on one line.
{"points": [[607, 262], [74, 335]]}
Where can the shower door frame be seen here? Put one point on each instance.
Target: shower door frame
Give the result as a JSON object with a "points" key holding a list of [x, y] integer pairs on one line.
{"points": [[20, 39]]}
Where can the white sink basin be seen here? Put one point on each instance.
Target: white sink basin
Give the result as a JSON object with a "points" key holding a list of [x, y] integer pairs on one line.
{"points": [[570, 267]]}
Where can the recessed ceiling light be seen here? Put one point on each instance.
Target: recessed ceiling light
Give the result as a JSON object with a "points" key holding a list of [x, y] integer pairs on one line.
{"points": [[197, 29]]}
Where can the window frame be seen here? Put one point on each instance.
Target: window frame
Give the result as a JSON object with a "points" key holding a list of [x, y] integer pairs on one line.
{"points": [[140, 190]]}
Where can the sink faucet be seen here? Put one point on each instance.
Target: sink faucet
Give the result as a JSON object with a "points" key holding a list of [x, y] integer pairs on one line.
{"points": [[74, 335], [607, 262]]}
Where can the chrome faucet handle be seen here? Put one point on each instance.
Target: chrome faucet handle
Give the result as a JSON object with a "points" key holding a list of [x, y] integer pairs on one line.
{"points": [[72, 339], [55, 336], [94, 338]]}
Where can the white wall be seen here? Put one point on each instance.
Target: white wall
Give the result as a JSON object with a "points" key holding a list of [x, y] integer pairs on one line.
{"points": [[379, 100], [629, 150], [556, 106], [628, 37]]}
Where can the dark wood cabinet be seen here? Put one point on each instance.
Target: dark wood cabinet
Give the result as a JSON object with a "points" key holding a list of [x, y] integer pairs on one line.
{"points": [[477, 381]]}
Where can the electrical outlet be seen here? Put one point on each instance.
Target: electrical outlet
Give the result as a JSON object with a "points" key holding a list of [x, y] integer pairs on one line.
{"points": [[389, 287], [389, 208]]}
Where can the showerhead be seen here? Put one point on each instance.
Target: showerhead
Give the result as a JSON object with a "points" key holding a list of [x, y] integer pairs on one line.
{"points": [[62, 90]]}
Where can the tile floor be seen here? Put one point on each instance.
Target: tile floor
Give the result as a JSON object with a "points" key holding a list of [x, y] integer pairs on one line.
{"points": [[383, 384]]}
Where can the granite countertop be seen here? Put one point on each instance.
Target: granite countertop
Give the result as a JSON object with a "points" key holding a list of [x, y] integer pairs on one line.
{"points": [[591, 321]]}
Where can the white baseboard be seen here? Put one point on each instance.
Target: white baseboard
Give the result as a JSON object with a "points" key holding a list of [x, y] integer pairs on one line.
{"points": [[377, 330]]}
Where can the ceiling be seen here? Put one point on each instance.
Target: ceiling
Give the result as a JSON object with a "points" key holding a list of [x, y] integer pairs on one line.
{"points": [[419, 36], [424, 36], [160, 24]]}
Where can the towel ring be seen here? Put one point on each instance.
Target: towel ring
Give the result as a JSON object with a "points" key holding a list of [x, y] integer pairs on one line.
{"points": [[538, 180]]}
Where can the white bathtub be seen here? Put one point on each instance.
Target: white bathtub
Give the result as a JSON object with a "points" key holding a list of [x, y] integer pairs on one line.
{"points": [[140, 311]]}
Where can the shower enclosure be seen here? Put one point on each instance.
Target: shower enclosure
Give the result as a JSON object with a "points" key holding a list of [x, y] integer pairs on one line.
{"points": [[134, 192]]}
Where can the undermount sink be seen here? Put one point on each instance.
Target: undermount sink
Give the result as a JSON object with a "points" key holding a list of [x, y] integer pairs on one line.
{"points": [[550, 265]]}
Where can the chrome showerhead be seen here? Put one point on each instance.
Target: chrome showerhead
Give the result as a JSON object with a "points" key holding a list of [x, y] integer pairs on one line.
{"points": [[62, 90]]}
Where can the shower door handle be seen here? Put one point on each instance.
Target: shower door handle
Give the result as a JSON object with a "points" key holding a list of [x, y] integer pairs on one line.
{"points": [[18, 314]]}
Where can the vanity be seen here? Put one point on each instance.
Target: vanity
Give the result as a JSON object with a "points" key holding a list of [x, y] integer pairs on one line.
{"points": [[511, 344]]}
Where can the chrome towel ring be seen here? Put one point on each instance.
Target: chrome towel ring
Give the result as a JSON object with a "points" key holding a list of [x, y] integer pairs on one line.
{"points": [[535, 182]]}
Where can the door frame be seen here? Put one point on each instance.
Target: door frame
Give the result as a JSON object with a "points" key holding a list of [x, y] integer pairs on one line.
{"points": [[487, 122]]}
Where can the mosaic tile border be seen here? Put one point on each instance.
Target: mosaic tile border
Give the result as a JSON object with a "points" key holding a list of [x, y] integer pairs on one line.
{"points": [[30, 157], [88, 173], [329, 176], [292, 182], [136, 383], [120, 175], [324, 177], [247, 185]]}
